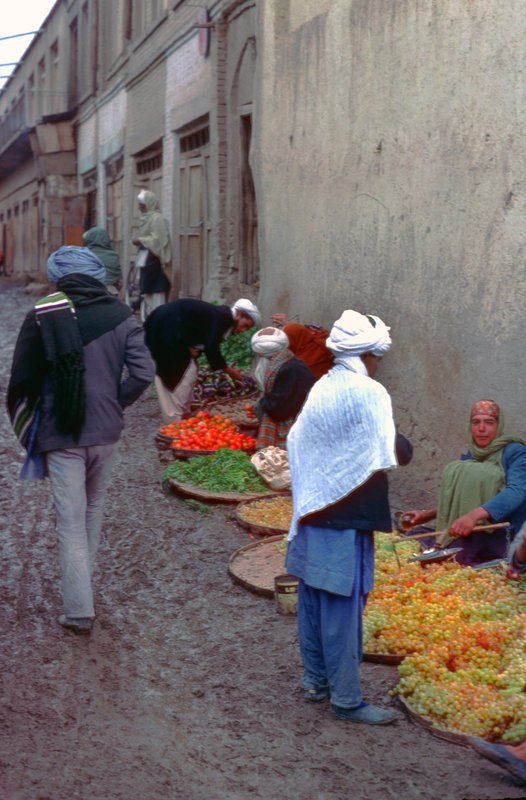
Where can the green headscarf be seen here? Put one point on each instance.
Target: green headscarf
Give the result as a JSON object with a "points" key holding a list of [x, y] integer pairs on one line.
{"points": [[98, 241], [153, 228], [470, 483]]}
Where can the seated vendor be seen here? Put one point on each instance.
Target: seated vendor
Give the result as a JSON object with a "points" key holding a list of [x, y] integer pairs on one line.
{"points": [[285, 381], [487, 484]]}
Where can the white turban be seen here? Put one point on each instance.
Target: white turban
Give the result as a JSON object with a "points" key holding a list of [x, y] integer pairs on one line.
{"points": [[265, 344], [356, 334], [249, 308], [269, 341]]}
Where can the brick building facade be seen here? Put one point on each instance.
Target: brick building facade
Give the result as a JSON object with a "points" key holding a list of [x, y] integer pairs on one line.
{"points": [[112, 97]]}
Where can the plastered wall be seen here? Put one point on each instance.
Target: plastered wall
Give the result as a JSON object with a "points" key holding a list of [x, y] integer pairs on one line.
{"points": [[391, 178]]}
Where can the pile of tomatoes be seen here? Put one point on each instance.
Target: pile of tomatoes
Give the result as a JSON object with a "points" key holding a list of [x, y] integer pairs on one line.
{"points": [[206, 432]]}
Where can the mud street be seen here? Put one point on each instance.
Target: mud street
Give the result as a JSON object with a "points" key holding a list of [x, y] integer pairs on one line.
{"points": [[188, 686]]}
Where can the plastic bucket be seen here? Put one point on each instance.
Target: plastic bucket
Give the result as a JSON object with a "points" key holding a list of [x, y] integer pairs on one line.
{"points": [[286, 594]]}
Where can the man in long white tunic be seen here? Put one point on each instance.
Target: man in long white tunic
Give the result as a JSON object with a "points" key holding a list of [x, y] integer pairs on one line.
{"points": [[339, 449]]}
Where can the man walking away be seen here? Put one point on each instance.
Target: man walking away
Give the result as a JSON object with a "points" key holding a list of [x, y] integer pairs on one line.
{"points": [[66, 398]]}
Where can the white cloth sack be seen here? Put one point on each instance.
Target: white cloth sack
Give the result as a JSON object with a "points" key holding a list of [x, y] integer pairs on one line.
{"points": [[272, 465]]}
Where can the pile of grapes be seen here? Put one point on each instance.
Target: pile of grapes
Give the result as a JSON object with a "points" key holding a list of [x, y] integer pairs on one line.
{"points": [[463, 633]]}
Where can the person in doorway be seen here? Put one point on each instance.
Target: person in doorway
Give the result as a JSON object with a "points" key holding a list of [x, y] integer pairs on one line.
{"points": [[285, 381], [487, 484], [178, 332], [3, 269], [66, 397], [98, 241], [339, 449], [155, 253]]}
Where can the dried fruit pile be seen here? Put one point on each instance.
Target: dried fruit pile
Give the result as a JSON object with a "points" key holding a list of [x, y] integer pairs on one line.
{"points": [[236, 409], [206, 432], [276, 512], [464, 634]]}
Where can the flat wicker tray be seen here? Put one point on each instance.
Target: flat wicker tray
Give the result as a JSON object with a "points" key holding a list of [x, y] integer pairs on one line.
{"points": [[260, 530], [440, 733], [256, 565], [383, 658], [248, 424], [197, 493], [162, 441], [179, 452]]}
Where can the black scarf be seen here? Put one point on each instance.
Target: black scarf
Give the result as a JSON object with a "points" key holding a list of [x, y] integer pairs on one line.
{"points": [[53, 345]]}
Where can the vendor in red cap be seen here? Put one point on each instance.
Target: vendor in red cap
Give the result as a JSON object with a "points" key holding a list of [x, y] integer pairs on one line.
{"points": [[487, 484]]}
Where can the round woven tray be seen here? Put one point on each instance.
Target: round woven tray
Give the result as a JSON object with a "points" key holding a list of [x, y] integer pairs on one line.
{"points": [[207, 403], [233, 408], [248, 424], [383, 658], [179, 452], [197, 493], [256, 565], [163, 441], [217, 402], [260, 530], [450, 736]]}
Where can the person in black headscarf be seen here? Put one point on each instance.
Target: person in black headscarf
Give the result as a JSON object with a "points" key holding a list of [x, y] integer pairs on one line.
{"points": [[66, 399]]}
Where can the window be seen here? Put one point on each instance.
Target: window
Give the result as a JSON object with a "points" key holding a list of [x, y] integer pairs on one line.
{"points": [[145, 15], [41, 89], [54, 96], [195, 140], [31, 98], [73, 89], [85, 60], [89, 188], [149, 161]]}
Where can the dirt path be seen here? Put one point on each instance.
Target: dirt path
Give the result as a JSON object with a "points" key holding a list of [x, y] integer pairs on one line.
{"points": [[189, 685]]}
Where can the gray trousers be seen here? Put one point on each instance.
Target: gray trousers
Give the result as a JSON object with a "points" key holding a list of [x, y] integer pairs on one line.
{"points": [[79, 477]]}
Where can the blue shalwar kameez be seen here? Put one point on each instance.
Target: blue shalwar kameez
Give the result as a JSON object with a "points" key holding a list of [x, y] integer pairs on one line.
{"points": [[336, 572], [340, 448]]}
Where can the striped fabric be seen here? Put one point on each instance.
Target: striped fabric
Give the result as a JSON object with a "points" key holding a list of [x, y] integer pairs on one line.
{"points": [[22, 419], [57, 301], [25, 408]]}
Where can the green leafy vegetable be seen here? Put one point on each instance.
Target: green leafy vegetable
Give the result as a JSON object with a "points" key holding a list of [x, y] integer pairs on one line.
{"points": [[235, 349], [225, 471]]}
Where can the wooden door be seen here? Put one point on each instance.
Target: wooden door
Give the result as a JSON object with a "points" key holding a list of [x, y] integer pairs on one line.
{"points": [[194, 224], [73, 219]]}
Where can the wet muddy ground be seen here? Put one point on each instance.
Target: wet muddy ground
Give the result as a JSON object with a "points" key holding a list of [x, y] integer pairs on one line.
{"points": [[189, 684]]}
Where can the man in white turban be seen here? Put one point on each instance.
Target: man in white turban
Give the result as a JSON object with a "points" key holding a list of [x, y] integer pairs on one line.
{"points": [[339, 450]]}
